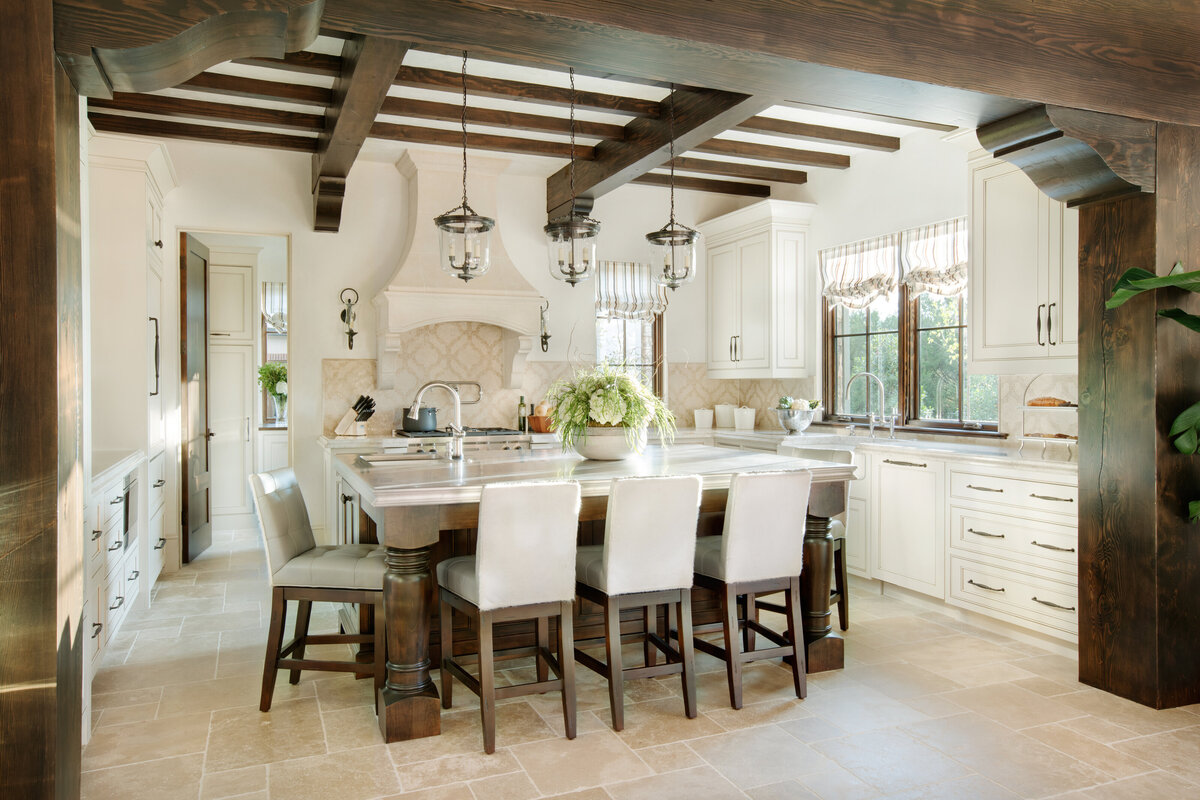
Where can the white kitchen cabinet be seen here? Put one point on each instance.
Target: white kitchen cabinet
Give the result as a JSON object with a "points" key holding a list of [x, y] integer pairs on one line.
{"points": [[348, 505], [855, 548], [272, 450], [1023, 280], [231, 301], [758, 291], [908, 522]]}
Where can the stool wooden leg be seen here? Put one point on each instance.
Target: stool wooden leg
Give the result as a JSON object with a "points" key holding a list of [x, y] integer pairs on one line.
{"points": [[687, 649], [748, 640], [566, 662], [487, 682], [380, 644], [446, 640], [733, 661], [542, 626], [649, 651], [616, 671], [796, 634], [274, 642], [303, 612]]}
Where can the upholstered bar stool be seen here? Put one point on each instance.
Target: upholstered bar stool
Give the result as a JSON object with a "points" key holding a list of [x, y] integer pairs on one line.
{"points": [[645, 561], [305, 572], [523, 568], [761, 550]]}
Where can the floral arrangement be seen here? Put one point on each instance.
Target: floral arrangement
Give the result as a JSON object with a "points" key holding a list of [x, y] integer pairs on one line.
{"points": [[606, 396], [799, 405], [271, 375]]}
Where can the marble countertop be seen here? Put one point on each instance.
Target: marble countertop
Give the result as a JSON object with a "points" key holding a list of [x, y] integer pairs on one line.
{"points": [[108, 465], [440, 481], [1055, 457]]}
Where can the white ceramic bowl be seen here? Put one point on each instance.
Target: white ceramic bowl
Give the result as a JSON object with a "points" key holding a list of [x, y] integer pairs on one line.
{"points": [[609, 444]]}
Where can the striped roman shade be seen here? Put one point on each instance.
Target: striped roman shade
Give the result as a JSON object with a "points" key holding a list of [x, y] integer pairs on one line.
{"points": [[856, 275], [933, 257], [626, 290], [274, 306]]}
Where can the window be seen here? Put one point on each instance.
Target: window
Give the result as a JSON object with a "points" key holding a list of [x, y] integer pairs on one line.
{"points": [[633, 343], [911, 333], [629, 313]]}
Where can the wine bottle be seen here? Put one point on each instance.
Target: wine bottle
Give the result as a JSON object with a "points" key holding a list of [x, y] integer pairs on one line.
{"points": [[522, 416]]}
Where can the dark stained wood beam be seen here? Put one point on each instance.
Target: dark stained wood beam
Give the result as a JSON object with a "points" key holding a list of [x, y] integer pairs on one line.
{"points": [[922, 124], [477, 141], [301, 63], [536, 123], [822, 134], [443, 80], [187, 108], [144, 126], [734, 169], [255, 89], [768, 152], [368, 65], [699, 114], [705, 185]]}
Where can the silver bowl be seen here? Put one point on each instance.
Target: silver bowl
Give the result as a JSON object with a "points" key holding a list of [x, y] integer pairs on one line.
{"points": [[795, 420]]}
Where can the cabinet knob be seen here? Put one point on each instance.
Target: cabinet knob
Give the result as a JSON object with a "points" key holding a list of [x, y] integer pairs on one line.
{"points": [[96, 628], [161, 544], [96, 535], [158, 243], [346, 499]]}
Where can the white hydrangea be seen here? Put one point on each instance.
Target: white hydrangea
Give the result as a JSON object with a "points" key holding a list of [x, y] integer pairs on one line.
{"points": [[607, 407]]}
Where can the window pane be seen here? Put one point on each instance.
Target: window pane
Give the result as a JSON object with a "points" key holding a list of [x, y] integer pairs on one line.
{"points": [[983, 398], [938, 356], [935, 311], [850, 320], [610, 341], [885, 363], [885, 314], [851, 359]]}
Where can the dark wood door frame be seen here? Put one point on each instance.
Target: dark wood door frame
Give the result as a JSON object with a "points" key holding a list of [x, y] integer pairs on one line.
{"points": [[195, 501]]}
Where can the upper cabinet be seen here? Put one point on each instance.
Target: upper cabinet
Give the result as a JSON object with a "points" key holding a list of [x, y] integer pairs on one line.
{"points": [[758, 291], [1024, 275]]}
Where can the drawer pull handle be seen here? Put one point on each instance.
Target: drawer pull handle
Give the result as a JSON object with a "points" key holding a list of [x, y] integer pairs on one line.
{"points": [[120, 602], [117, 500], [96, 628], [158, 484], [984, 489], [161, 544], [985, 533], [904, 463], [1052, 547], [134, 576], [114, 547], [1053, 605], [985, 586], [96, 535], [1051, 497]]}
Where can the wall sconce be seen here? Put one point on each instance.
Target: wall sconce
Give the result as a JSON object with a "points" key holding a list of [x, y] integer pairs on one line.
{"points": [[349, 315], [545, 331]]}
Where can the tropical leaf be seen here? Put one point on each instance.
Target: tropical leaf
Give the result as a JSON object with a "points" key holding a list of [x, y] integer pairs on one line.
{"points": [[1182, 317], [1194, 511], [1137, 280], [1190, 418]]}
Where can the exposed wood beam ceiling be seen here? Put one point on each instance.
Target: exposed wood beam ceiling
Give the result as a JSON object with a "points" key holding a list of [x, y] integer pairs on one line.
{"points": [[705, 185], [820, 134]]}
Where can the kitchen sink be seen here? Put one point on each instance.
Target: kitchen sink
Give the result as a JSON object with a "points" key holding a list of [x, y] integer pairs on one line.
{"points": [[378, 459]]}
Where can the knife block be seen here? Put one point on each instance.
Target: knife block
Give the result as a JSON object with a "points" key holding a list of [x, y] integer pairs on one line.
{"points": [[350, 426]]}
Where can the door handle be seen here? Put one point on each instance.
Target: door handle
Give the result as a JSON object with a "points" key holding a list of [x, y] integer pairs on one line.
{"points": [[209, 434], [1050, 324], [120, 602], [96, 628], [158, 484], [731, 349], [134, 576], [96, 535], [737, 348], [156, 358], [161, 544], [247, 429], [1039, 323], [115, 547]]}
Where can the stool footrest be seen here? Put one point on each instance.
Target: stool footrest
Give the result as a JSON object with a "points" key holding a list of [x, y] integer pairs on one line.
{"points": [[331, 666]]}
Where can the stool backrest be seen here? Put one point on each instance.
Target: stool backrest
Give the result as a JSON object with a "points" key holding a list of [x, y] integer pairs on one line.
{"points": [[765, 518], [284, 519], [650, 534], [525, 553]]}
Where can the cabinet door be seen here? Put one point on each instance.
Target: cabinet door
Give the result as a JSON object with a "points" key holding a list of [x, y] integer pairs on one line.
{"points": [[1008, 269], [230, 411], [908, 546], [722, 305], [231, 303], [156, 419], [753, 346], [790, 350], [855, 550], [157, 543], [1064, 285]]}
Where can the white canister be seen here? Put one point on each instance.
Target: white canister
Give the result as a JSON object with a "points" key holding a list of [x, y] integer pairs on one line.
{"points": [[704, 417], [724, 412], [743, 418]]}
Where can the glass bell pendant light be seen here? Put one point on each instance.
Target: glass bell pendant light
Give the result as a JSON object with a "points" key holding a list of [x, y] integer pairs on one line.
{"points": [[571, 239], [673, 246], [463, 235]]}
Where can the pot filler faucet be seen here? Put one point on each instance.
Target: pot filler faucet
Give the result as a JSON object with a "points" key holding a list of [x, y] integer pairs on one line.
{"points": [[455, 428], [871, 416]]}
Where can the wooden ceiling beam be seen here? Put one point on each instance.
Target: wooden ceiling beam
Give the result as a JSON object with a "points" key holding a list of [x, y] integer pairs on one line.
{"points": [[734, 169], [144, 126], [255, 89], [478, 141], [705, 185], [699, 114], [368, 64], [303, 63], [767, 152], [537, 123], [199, 109], [821, 134]]}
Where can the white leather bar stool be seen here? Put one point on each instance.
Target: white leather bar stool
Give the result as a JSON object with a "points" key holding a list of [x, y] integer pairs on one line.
{"points": [[645, 561], [761, 550], [523, 568], [305, 572]]}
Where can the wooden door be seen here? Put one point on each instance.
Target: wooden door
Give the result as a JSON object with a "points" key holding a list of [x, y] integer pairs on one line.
{"points": [[196, 481]]}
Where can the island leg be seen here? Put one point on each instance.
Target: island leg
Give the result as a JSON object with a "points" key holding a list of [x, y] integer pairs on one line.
{"points": [[408, 703], [825, 650]]}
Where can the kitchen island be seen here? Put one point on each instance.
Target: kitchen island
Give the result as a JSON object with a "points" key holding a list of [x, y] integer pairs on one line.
{"points": [[413, 502]]}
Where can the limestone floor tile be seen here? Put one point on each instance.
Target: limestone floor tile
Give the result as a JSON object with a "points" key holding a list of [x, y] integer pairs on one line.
{"points": [[350, 775], [1075, 744], [951, 652], [513, 786], [1013, 706], [1101, 730], [891, 760], [453, 769], [165, 779], [975, 787], [758, 756], [761, 681], [342, 691], [900, 680], [1152, 786], [1177, 752], [136, 623], [351, 728], [686, 785], [225, 620], [812, 729], [127, 697], [557, 766], [1140, 719], [1047, 687], [670, 757], [155, 650], [985, 674], [1055, 667], [181, 669], [144, 741], [659, 722], [219, 693], [751, 715], [123, 714], [933, 705], [241, 737], [597, 793], [861, 708], [231, 783], [789, 790], [187, 591], [454, 791]]}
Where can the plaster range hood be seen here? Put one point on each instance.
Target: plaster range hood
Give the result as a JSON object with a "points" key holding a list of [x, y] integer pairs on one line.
{"points": [[420, 293]]}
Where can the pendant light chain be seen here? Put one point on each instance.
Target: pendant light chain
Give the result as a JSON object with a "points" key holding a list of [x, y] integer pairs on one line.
{"points": [[671, 146], [464, 129], [571, 169]]}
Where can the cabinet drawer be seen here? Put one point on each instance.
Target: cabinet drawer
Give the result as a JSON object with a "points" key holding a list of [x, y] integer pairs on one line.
{"points": [[158, 546], [114, 545], [992, 533], [1013, 596], [93, 539], [116, 603], [111, 503], [158, 479], [133, 577], [1023, 494]]}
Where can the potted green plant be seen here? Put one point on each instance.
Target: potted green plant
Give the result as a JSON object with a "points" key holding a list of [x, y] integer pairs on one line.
{"points": [[272, 376], [602, 413]]}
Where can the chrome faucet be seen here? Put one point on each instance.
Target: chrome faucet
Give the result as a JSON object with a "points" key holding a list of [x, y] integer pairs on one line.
{"points": [[456, 429], [870, 415]]}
